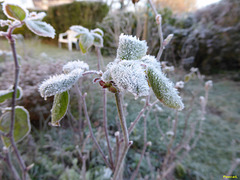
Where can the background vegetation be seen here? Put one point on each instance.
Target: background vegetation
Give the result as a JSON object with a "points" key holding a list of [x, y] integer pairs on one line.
{"points": [[208, 39]]}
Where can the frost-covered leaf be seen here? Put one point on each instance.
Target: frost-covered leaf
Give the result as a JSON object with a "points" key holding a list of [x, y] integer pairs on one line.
{"points": [[164, 89], [98, 40], [131, 48], [85, 42], [79, 29], [98, 31], [129, 76], [41, 28], [7, 94], [22, 124], [70, 66], [59, 83], [37, 16], [14, 11], [60, 106]]}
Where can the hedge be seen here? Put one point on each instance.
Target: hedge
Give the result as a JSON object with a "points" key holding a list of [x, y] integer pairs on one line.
{"points": [[61, 17], [86, 14]]}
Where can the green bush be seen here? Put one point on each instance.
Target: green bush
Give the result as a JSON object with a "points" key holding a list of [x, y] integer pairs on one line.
{"points": [[86, 14]]}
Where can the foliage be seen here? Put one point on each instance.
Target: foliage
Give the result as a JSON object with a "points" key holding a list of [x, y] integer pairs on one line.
{"points": [[86, 14], [207, 39]]}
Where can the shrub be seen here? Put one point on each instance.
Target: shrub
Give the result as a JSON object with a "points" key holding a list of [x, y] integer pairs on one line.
{"points": [[86, 14]]}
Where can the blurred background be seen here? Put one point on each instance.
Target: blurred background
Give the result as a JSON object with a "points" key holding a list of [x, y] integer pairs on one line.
{"points": [[206, 37]]}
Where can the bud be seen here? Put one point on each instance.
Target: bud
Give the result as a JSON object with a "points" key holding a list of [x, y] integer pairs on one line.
{"points": [[179, 85], [131, 48], [167, 40], [208, 84], [164, 89], [159, 19]]}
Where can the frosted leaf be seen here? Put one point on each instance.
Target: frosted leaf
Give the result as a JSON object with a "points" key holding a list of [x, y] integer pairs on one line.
{"points": [[37, 16], [59, 83], [14, 11], [70, 66], [130, 76], [85, 42], [193, 69], [164, 89], [98, 31], [79, 29], [151, 61], [41, 28], [131, 48], [98, 40], [107, 76], [168, 69]]}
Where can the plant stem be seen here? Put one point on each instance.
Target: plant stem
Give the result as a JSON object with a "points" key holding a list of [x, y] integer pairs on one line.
{"points": [[11, 131], [12, 168], [105, 125], [159, 30], [90, 127], [127, 144]]}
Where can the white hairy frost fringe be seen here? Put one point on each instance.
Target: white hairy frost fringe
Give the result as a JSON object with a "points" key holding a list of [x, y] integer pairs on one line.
{"points": [[70, 66], [59, 83], [131, 48]]}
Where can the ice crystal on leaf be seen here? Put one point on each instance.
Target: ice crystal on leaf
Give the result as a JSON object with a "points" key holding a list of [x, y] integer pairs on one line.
{"points": [[70, 66], [128, 76], [59, 83], [131, 48]]}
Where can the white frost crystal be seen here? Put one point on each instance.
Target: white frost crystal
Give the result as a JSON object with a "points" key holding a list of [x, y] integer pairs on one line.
{"points": [[131, 48], [70, 66], [151, 61], [59, 83], [128, 76]]}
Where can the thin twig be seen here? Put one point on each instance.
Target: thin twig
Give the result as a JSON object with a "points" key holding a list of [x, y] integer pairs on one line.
{"points": [[105, 125], [90, 127], [16, 79], [11, 167], [159, 22], [127, 144], [134, 175]]}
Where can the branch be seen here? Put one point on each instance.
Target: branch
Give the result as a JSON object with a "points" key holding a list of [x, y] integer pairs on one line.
{"points": [[90, 127], [127, 143], [105, 125]]}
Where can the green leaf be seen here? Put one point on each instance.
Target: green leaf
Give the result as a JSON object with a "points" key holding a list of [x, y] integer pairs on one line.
{"points": [[187, 78], [7, 94], [97, 31], [15, 12], [41, 28], [85, 42], [22, 126], [60, 106], [164, 89], [79, 29], [98, 40]]}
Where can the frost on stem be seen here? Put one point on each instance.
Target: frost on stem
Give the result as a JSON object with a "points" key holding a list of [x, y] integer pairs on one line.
{"points": [[70, 66], [59, 83], [131, 48], [128, 76], [164, 89]]}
